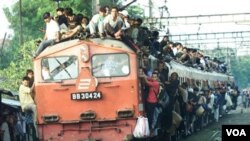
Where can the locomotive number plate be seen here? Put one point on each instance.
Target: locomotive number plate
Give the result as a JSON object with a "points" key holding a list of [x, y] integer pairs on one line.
{"points": [[86, 96]]}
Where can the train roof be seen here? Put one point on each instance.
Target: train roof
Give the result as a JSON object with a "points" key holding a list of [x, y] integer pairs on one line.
{"points": [[7, 101], [194, 73], [7, 92], [95, 41], [11, 102]]}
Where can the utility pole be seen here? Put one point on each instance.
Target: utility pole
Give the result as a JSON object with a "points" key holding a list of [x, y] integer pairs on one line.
{"points": [[95, 6], [1, 53], [150, 4], [21, 22]]}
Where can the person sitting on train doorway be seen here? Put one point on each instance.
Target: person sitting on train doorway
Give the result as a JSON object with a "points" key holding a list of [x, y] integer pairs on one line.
{"points": [[96, 24], [26, 100], [51, 34], [151, 101]]}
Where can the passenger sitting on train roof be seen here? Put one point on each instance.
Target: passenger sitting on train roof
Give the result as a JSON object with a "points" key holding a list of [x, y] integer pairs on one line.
{"points": [[51, 34], [143, 33], [113, 24], [125, 17], [61, 19], [107, 9], [81, 26], [96, 23], [113, 27], [68, 12]]}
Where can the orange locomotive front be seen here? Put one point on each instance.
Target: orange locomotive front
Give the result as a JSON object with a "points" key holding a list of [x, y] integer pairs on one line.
{"points": [[87, 90]]}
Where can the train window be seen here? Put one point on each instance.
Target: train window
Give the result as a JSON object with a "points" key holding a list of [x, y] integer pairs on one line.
{"points": [[110, 65], [59, 68]]}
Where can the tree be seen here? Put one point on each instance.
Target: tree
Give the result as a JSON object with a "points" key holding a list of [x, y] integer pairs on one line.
{"points": [[32, 22], [13, 74], [17, 58], [32, 11], [240, 70]]}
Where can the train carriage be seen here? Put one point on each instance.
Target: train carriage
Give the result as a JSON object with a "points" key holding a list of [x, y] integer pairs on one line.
{"points": [[81, 94], [89, 90]]}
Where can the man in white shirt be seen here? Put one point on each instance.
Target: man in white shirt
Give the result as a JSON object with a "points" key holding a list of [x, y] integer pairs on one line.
{"points": [[51, 33], [124, 16], [97, 22], [113, 24]]}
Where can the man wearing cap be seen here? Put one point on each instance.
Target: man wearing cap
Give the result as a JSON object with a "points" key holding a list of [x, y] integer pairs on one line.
{"points": [[124, 16], [97, 22], [51, 34]]}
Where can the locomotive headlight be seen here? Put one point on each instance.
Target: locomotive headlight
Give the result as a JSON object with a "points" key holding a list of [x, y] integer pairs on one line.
{"points": [[125, 113], [50, 118], [84, 49], [88, 115]]}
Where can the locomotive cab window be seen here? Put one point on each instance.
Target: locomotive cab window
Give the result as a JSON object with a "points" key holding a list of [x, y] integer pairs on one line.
{"points": [[110, 65], [59, 68]]}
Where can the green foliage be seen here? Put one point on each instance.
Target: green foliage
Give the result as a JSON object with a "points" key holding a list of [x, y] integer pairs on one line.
{"points": [[15, 58], [32, 11], [13, 74], [107, 2], [32, 22], [135, 11], [240, 70]]}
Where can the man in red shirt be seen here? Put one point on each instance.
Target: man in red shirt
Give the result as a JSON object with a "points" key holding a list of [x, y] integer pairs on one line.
{"points": [[151, 101]]}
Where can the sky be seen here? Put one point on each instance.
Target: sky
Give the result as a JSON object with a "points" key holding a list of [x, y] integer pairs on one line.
{"points": [[203, 7], [175, 8], [200, 7], [4, 22]]}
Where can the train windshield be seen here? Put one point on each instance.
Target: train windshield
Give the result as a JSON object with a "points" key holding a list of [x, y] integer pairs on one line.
{"points": [[59, 68], [110, 65]]}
